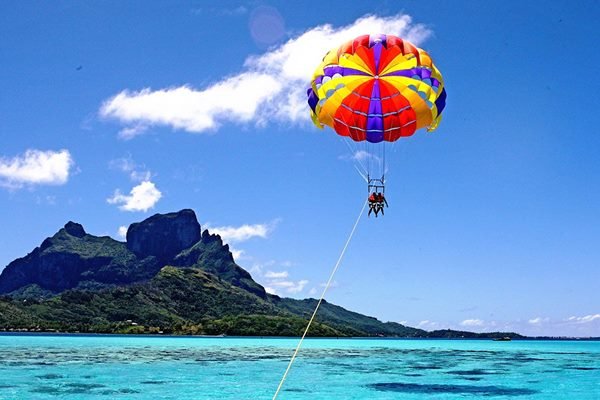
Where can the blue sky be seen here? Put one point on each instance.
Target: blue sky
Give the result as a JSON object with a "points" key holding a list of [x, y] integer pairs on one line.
{"points": [[112, 112]]}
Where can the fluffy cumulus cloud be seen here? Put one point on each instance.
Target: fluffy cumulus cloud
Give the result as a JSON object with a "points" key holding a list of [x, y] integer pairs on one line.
{"points": [[122, 232], [36, 167], [270, 87], [279, 287], [472, 322], [141, 198], [277, 282], [236, 234]]}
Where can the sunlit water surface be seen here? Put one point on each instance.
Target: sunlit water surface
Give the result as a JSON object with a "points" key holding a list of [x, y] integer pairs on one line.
{"points": [[134, 367]]}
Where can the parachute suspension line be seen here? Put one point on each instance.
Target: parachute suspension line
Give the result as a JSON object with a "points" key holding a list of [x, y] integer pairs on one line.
{"points": [[384, 166], [354, 156], [310, 321], [368, 157]]}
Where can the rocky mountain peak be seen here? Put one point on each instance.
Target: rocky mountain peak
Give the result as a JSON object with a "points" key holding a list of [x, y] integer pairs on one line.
{"points": [[164, 235], [74, 229], [74, 259]]}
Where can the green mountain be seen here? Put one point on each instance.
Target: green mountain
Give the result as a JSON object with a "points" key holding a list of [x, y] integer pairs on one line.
{"points": [[168, 277]]}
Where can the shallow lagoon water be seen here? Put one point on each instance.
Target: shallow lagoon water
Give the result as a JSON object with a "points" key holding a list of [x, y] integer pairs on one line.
{"points": [[143, 367]]}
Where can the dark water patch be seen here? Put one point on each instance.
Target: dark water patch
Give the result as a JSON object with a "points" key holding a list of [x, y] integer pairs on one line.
{"points": [[7, 386], [585, 368], [50, 376], [69, 388], [153, 382], [506, 364], [128, 391], [411, 374], [417, 388], [471, 378], [77, 390], [87, 386], [42, 363], [14, 363], [522, 357], [296, 390], [418, 366], [46, 390], [475, 372]]}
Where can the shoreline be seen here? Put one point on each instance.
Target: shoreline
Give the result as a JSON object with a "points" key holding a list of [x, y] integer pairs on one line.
{"points": [[154, 335]]}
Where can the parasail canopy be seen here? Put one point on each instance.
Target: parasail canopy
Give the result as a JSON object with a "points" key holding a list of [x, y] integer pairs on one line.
{"points": [[377, 88]]}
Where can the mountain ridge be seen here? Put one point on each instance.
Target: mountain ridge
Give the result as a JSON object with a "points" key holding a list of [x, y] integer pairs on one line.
{"points": [[169, 276]]}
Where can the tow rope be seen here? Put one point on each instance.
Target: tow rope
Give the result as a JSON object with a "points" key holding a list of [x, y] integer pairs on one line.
{"points": [[310, 321]]}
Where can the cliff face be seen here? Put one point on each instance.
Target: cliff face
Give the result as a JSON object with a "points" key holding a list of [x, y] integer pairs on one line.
{"points": [[164, 235], [73, 258]]}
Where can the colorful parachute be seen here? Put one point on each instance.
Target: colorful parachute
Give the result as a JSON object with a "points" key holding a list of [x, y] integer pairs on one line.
{"points": [[377, 88]]}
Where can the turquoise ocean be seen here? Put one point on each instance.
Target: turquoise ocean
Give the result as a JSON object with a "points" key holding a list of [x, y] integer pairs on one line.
{"points": [[150, 367]]}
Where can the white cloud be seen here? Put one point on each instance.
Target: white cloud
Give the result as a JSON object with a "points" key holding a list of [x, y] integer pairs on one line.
{"points": [[236, 234], [36, 167], [362, 155], [130, 132], [141, 198], [289, 286], [426, 324], [585, 319], [271, 290], [136, 172], [276, 275], [472, 322], [272, 86], [255, 270], [237, 253], [235, 99], [122, 232], [538, 320], [50, 200], [298, 287], [276, 282], [333, 284]]}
